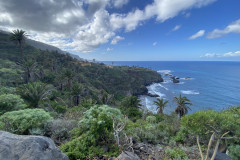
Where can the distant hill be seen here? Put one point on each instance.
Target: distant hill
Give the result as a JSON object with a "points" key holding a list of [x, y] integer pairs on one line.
{"points": [[43, 46]]}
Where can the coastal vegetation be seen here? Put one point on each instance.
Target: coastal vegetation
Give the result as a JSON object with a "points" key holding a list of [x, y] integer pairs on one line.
{"points": [[92, 110]]}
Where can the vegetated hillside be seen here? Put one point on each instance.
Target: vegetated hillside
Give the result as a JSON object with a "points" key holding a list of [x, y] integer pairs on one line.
{"points": [[54, 95], [95, 80]]}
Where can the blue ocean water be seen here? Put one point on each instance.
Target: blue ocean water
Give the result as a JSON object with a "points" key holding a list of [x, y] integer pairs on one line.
{"points": [[210, 85]]}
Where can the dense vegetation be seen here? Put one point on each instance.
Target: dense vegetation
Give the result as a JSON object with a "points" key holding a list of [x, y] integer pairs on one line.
{"points": [[92, 110]]}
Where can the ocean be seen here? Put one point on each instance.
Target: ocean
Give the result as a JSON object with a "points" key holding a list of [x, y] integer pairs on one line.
{"points": [[211, 85]]}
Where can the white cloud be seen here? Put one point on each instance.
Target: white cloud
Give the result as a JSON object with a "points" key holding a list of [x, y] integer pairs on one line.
{"points": [[109, 49], [120, 3], [177, 27], [84, 25], [214, 55], [117, 39], [232, 54], [197, 35], [231, 28], [162, 9], [155, 43]]}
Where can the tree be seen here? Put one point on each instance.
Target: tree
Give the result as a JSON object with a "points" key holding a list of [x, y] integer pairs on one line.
{"points": [[161, 105], [76, 91], [131, 102], [34, 93], [18, 36], [29, 68], [182, 105], [69, 75]]}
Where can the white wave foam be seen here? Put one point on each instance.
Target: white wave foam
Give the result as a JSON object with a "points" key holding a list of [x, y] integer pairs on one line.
{"points": [[186, 78], [190, 92], [163, 86], [164, 71], [153, 90], [180, 83]]}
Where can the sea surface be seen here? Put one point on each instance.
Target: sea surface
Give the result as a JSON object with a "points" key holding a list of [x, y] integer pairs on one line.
{"points": [[209, 85]]}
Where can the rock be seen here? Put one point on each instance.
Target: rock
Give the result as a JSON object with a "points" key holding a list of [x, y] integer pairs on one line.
{"points": [[128, 156], [175, 80], [105, 149], [19, 147], [152, 95], [220, 156]]}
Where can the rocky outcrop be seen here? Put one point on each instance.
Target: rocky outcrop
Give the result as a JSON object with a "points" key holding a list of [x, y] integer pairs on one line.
{"points": [[152, 95], [127, 156], [220, 156], [18, 147], [175, 79]]}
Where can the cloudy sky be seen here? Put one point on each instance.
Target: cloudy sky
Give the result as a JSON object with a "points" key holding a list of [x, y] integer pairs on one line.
{"points": [[131, 29]]}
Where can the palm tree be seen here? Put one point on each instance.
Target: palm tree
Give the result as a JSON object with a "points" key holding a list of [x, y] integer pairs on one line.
{"points": [[34, 93], [182, 105], [29, 68], [132, 102], [161, 105], [18, 36], [76, 92], [69, 75]]}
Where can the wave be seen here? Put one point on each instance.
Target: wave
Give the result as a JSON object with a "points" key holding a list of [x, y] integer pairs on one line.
{"points": [[163, 86], [153, 90], [149, 105], [189, 92], [164, 71], [187, 78], [180, 83]]}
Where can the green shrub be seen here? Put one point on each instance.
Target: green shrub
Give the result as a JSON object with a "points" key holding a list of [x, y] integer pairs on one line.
{"points": [[7, 90], [203, 123], [22, 121], [10, 102], [59, 130], [95, 130], [176, 153], [151, 119], [234, 151]]}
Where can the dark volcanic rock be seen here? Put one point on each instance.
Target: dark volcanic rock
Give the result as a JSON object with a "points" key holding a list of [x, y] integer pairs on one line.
{"points": [[18, 147], [152, 95], [220, 156], [175, 80], [128, 156]]}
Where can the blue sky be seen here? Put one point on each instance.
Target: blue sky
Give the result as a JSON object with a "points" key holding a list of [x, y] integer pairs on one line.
{"points": [[133, 30]]}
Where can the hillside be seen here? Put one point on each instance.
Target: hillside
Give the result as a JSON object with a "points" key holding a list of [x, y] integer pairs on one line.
{"points": [[91, 111], [52, 67]]}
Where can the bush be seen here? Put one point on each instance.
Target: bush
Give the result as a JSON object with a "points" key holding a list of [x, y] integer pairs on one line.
{"points": [[151, 119], [234, 152], [7, 90], [10, 102], [95, 130], [203, 123], [59, 130], [176, 153], [22, 121]]}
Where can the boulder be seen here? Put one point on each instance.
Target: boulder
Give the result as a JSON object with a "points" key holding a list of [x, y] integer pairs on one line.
{"points": [[220, 156], [128, 156], [152, 95], [21, 147], [175, 80]]}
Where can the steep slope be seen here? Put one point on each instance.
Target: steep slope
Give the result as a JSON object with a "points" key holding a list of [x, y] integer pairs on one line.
{"points": [[96, 80]]}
